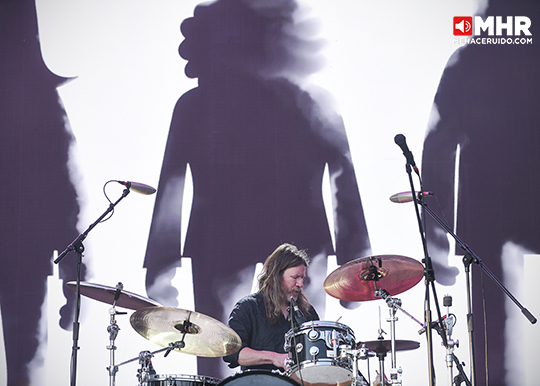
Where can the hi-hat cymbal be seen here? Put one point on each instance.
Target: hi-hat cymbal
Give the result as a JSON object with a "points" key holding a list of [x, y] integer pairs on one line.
{"points": [[355, 280], [202, 335], [380, 346], [106, 295]]}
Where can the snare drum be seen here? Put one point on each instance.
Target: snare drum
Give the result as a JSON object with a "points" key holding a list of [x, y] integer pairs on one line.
{"points": [[318, 352], [259, 378], [180, 380]]}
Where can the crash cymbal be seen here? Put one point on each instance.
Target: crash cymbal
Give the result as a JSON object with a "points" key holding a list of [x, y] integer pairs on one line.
{"points": [[382, 346], [355, 280], [106, 295], [203, 336]]}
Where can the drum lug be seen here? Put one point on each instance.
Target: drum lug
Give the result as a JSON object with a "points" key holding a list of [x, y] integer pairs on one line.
{"points": [[314, 351], [313, 335], [289, 363], [287, 346]]}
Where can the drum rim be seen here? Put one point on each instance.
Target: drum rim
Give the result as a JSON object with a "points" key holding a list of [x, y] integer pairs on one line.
{"points": [[308, 325], [279, 374], [191, 377], [320, 323], [318, 362]]}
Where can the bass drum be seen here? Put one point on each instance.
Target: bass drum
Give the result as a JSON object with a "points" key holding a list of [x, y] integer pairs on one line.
{"points": [[259, 378], [180, 380]]}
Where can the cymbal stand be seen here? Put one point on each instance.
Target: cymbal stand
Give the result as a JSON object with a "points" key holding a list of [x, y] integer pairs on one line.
{"points": [[361, 353], [145, 360], [449, 323], [143, 374], [393, 304], [145, 356], [364, 354], [381, 355], [113, 329]]}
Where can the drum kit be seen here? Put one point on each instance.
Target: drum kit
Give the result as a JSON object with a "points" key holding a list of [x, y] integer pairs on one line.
{"points": [[320, 352]]}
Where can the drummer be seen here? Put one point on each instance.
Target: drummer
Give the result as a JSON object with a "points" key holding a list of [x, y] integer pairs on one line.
{"points": [[262, 319]]}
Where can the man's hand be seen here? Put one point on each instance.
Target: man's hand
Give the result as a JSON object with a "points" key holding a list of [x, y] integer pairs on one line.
{"points": [[280, 360]]}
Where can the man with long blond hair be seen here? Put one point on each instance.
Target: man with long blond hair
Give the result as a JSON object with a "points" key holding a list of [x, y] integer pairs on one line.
{"points": [[263, 318]]}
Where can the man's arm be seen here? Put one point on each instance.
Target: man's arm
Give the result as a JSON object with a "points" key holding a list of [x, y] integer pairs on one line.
{"points": [[250, 357]]}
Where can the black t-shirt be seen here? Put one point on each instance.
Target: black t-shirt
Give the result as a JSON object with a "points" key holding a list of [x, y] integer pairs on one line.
{"points": [[248, 319]]}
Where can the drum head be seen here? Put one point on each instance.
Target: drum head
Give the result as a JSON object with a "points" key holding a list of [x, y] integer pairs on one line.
{"points": [[259, 378], [322, 372]]}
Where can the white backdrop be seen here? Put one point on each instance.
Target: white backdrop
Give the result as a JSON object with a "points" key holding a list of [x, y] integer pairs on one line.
{"points": [[385, 60]]}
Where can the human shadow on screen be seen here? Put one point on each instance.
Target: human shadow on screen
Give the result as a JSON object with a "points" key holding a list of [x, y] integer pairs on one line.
{"points": [[257, 146], [488, 105], [38, 203]]}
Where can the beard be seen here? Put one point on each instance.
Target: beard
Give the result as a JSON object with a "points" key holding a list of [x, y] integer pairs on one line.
{"points": [[294, 293]]}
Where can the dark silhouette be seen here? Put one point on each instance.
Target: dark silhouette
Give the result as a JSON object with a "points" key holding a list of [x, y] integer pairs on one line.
{"points": [[488, 104], [38, 206], [257, 146]]}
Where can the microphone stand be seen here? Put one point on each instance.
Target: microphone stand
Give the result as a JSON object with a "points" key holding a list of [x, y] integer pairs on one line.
{"points": [[294, 324], [471, 257], [77, 246], [461, 377], [429, 275]]}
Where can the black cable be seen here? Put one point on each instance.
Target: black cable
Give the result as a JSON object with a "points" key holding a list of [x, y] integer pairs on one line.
{"points": [[293, 347], [108, 199]]}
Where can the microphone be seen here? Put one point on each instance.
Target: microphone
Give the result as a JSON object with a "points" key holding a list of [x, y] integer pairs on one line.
{"points": [[408, 196], [434, 325], [300, 318], [138, 187], [400, 141]]}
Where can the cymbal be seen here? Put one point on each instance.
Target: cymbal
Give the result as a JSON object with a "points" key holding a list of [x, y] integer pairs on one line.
{"points": [[355, 280], [203, 336], [380, 346], [106, 295]]}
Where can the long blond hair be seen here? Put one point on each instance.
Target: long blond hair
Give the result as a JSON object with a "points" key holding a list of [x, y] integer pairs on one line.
{"points": [[270, 280]]}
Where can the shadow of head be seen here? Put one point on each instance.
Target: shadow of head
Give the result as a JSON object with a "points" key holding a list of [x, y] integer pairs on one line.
{"points": [[259, 37]]}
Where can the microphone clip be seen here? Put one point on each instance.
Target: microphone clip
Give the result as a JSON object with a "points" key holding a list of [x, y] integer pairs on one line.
{"points": [[296, 315]]}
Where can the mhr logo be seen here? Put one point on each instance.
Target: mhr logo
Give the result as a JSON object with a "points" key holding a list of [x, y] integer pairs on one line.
{"points": [[494, 25]]}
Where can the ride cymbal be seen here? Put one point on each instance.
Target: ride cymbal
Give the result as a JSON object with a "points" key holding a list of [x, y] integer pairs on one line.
{"points": [[356, 280], [202, 335], [107, 294]]}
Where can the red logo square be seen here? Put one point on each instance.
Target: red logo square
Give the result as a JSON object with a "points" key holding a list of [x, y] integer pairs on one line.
{"points": [[462, 25]]}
